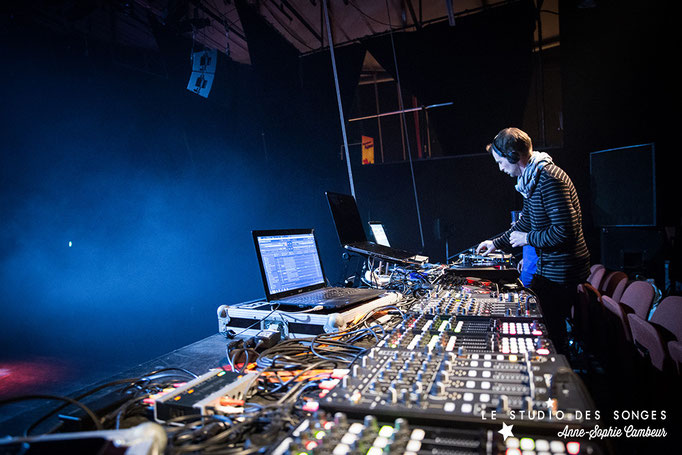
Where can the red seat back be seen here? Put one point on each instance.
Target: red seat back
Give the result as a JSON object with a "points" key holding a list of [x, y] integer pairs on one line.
{"points": [[596, 277], [647, 339], [668, 314], [638, 298], [675, 351], [616, 319], [610, 282]]}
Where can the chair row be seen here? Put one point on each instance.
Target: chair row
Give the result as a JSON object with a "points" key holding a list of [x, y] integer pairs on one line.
{"points": [[612, 315]]}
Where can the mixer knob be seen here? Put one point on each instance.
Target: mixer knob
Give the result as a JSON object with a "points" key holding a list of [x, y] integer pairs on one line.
{"points": [[392, 395], [340, 419], [503, 404], [371, 423], [401, 426]]}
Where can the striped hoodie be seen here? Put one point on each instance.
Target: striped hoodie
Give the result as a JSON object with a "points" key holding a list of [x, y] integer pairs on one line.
{"points": [[552, 218]]}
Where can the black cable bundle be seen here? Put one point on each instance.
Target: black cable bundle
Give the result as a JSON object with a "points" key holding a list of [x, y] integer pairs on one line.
{"points": [[135, 390], [250, 432]]}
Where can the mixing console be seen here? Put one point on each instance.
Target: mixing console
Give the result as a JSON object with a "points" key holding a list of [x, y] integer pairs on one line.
{"points": [[471, 301], [340, 435], [425, 332], [471, 259], [535, 389]]}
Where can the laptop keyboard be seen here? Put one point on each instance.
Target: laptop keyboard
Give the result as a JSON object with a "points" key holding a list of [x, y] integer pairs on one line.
{"points": [[384, 250], [314, 297]]}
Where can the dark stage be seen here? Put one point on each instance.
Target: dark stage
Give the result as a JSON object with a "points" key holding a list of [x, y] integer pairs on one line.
{"points": [[143, 141]]}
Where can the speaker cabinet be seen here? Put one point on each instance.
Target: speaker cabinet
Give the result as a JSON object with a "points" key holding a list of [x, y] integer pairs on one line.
{"points": [[636, 251]]}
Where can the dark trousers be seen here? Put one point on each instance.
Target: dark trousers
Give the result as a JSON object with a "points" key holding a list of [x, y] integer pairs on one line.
{"points": [[556, 300]]}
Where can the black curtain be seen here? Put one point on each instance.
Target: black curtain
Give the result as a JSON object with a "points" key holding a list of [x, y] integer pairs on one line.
{"points": [[483, 64]]}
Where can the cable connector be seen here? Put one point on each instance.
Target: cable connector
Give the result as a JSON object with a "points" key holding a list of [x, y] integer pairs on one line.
{"points": [[267, 339]]}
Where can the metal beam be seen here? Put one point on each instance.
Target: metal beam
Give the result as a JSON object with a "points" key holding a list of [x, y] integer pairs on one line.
{"points": [[222, 20], [414, 16], [302, 20]]}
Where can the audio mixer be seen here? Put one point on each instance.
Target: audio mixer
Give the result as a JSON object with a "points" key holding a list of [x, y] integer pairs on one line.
{"points": [[472, 259], [535, 389], [468, 334], [341, 435], [476, 301]]}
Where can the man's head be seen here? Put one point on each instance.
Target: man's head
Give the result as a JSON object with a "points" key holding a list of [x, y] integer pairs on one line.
{"points": [[511, 150]]}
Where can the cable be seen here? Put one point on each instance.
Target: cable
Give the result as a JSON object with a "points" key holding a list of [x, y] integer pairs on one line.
{"points": [[259, 321], [129, 381], [88, 411]]}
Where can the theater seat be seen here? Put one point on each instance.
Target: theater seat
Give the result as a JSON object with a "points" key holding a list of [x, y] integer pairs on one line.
{"points": [[653, 338], [586, 306], [675, 351], [637, 298], [610, 283], [619, 289], [597, 273]]}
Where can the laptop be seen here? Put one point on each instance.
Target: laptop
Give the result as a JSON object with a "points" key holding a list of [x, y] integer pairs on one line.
{"points": [[292, 272], [379, 233], [352, 235]]}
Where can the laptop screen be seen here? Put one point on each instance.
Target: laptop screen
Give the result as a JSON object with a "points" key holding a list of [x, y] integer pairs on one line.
{"points": [[346, 218], [379, 233], [289, 261]]}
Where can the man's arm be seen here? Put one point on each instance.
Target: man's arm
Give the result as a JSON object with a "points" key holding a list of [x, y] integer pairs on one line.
{"points": [[521, 225], [556, 198]]}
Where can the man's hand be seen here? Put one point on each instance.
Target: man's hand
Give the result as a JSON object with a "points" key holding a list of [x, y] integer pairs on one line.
{"points": [[517, 238], [486, 247], [519, 267]]}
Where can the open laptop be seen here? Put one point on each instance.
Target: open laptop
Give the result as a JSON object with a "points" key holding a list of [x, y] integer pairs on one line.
{"points": [[379, 233], [352, 233], [292, 272]]}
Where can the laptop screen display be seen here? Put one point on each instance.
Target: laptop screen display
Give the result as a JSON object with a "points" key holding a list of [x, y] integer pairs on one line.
{"points": [[379, 233], [290, 262], [346, 218]]}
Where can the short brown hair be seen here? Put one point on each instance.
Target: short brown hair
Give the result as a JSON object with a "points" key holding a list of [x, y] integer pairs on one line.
{"points": [[512, 144]]}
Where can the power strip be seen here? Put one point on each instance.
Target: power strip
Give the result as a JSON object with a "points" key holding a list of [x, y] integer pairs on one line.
{"points": [[212, 393]]}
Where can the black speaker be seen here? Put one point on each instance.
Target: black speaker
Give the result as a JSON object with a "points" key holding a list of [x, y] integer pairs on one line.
{"points": [[636, 251], [623, 182]]}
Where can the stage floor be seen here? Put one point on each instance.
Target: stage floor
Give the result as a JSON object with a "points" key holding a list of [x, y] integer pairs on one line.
{"points": [[197, 357]]}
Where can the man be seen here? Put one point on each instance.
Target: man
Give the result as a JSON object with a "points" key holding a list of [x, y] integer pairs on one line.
{"points": [[551, 222]]}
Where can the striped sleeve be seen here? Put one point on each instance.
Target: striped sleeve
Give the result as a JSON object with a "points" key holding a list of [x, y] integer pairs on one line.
{"points": [[556, 199], [522, 225], [553, 220]]}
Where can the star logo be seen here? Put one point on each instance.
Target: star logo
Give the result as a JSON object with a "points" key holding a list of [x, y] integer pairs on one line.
{"points": [[550, 403], [506, 431]]}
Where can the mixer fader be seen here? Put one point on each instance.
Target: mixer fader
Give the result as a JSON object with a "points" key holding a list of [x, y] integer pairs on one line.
{"points": [[449, 386]]}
